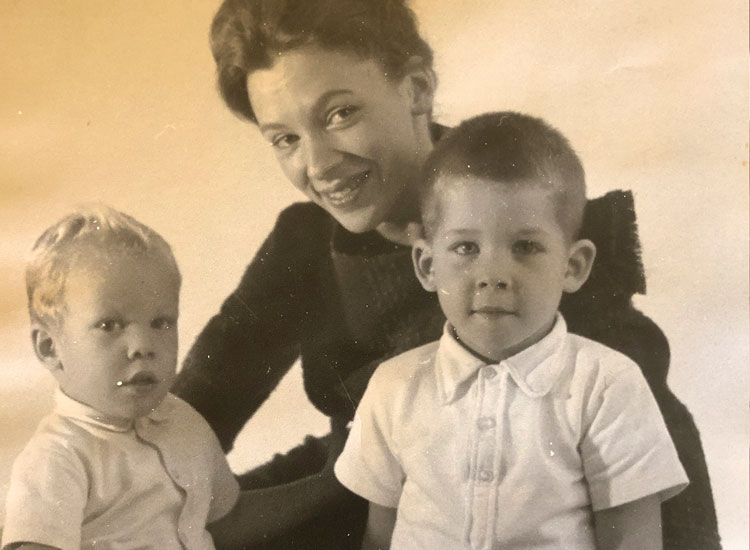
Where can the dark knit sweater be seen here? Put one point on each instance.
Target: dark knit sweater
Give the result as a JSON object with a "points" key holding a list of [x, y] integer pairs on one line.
{"points": [[344, 303]]}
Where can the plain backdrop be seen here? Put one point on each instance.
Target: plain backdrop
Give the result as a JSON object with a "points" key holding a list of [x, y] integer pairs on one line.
{"points": [[115, 101]]}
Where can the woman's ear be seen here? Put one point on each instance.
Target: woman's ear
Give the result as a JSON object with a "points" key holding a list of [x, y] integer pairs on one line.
{"points": [[45, 348], [421, 256], [580, 260], [421, 82]]}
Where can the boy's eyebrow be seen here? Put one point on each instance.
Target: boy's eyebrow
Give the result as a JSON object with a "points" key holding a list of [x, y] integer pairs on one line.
{"points": [[530, 230]]}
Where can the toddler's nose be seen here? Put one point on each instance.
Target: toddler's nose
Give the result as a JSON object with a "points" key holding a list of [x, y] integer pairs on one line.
{"points": [[140, 346]]}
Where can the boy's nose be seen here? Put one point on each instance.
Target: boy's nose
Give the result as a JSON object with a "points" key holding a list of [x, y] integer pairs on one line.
{"points": [[488, 282]]}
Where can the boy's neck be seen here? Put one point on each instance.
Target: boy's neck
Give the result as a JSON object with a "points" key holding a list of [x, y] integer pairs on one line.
{"points": [[507, 352]]}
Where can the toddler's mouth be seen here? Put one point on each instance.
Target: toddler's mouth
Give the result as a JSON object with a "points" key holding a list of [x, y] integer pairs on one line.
{"points": [[140, 380]]}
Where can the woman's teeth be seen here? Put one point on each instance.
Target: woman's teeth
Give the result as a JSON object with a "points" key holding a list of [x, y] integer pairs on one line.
{"points": [[347, 193]]}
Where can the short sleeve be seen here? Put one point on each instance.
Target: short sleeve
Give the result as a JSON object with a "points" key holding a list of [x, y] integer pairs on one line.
{"points": [[627, 451], [47, 496], [368, 465]]}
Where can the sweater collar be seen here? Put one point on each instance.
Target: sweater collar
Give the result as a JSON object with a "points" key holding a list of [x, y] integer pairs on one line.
{"points": [[535, 370]]}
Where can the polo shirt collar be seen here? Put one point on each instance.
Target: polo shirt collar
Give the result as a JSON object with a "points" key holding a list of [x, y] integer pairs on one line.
{"points": [[534, 370], [70, 408]]}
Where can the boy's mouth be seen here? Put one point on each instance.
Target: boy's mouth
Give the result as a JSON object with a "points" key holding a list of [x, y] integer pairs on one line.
{"points": [[493, 311]]}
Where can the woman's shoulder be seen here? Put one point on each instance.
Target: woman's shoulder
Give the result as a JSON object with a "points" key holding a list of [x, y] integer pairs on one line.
{"points": [[305, 217]]}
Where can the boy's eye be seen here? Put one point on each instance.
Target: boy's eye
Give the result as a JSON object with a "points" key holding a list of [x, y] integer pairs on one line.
{"points": [[340, 115], [284, 141], [465, 248], [163, 323], [108, 325], [526, 247]]}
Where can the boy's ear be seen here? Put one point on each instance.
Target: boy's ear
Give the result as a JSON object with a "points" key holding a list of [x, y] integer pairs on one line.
{"points": [[421, 256], [421, 82], [45, 348], [580, 260]]}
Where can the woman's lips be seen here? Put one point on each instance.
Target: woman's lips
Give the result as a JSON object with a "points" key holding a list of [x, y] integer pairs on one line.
{"points": [[346, 192]]}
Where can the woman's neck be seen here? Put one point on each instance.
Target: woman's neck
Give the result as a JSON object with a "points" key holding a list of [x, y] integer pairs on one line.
{"points": [[405, 226], [401, 233]]}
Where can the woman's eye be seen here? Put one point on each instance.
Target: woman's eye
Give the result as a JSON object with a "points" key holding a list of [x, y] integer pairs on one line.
{"points": [[284, 141], [340, 115], [465, 248], [108, 325], [163, 323], [526, 248]]}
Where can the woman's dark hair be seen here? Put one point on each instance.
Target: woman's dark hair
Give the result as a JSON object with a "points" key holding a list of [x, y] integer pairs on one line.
{"points": [[246, 35]]}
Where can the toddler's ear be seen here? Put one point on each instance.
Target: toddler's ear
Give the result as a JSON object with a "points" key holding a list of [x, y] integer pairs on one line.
{"points": [[580, 260], [45, 348], [421, 256]]}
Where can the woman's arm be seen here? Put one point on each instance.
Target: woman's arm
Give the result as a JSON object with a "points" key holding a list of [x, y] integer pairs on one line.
{"points": [[632, 526], [245, 350], [380, 523], [265, 513]]}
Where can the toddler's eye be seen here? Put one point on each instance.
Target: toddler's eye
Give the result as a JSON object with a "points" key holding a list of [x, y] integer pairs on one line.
{"points": [[465, 248], [163, 323], [527, 248], [108, 325]]}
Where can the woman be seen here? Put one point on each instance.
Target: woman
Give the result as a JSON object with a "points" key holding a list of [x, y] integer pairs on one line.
{"points": [[343, 91]]}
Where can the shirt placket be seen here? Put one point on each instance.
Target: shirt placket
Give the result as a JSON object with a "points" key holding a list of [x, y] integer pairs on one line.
{"points": [[487, 459], [183, 531]]}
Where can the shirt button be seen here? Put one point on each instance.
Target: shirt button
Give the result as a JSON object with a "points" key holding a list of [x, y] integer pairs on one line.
{"points": [[489, 372], [485, 475], [485, 423]]}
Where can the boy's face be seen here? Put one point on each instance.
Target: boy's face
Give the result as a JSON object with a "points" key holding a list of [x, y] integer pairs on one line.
{"points": [[116, 344], [499, 261]]}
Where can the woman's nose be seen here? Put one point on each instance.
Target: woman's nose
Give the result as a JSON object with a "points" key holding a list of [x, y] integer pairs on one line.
{"points": [[322, 158]]}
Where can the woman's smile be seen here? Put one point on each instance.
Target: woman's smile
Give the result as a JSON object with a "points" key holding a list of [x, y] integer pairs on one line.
{"points": [[345, 192]]}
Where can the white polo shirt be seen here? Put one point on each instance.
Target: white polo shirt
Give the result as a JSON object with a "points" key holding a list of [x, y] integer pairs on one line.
{"points": [[84, 481], [515, 455]]}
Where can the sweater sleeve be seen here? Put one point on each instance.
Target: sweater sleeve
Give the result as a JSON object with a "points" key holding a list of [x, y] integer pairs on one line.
{"points": [[245, 350]]}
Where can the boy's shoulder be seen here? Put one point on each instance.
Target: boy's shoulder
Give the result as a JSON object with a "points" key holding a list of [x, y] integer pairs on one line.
{"points": [[408, 366], [594, 358]]}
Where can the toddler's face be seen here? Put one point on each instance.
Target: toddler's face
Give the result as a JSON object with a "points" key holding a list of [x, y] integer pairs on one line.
{"points": [[117, 340], [499, 262]]}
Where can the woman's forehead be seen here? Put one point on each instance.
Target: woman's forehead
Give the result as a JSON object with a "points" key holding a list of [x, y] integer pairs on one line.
{"points": [[306, 75]]}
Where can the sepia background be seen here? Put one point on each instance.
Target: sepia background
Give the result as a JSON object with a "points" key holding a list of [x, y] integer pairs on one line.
{"points": [[115, 101]]}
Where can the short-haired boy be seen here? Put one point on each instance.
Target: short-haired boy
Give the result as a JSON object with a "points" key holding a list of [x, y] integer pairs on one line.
{"points": [[120, 462], [509, 432]]}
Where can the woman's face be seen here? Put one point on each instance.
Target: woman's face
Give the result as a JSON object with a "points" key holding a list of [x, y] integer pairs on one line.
{"points": [[348, 137]]}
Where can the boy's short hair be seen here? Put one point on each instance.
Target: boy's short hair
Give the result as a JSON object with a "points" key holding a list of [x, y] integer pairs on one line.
{"points": [[510, 148], [55, 253]]}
